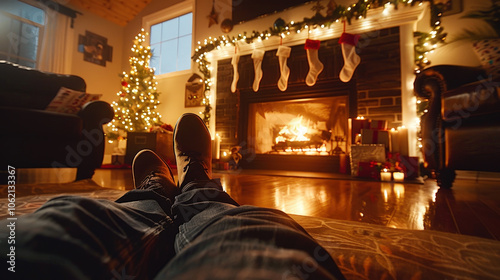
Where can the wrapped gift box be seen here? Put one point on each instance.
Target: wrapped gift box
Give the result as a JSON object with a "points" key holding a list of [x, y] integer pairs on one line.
{"points": [[161, 143], [369, 170], [366, 153], [355, 126], [378, 124], [373, 136]]}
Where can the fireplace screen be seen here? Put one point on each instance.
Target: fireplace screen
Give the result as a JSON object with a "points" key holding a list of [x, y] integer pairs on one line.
{"points": [[315, 126]]}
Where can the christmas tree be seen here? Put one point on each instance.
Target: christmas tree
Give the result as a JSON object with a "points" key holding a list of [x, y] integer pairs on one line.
{"points": [[135, 110]]}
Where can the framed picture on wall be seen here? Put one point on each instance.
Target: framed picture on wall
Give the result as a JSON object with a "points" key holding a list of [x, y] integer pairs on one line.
{"points": [[195, 91], [95, 48]]}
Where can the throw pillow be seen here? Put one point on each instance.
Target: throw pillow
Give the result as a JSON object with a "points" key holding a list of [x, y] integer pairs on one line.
{"points": [[488, 52], [70, 101]]}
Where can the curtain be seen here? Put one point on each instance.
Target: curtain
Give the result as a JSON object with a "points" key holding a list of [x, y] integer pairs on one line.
{"points": [[58, 39]]}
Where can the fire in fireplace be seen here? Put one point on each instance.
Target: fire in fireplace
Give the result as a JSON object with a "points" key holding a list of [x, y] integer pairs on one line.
{"points": [[313, 126]]}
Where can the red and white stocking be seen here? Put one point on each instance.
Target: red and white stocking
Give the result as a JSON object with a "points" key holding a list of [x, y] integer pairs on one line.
{"points": [[315, 66], [257, 57], [351, 58], [283, 54]]}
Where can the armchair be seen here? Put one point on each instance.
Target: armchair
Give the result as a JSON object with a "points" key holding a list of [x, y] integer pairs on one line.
{"points": [[32, 137], [461, 127]]}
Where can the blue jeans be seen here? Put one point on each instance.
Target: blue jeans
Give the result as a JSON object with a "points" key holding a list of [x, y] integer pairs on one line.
{"points": [[203, 234]]}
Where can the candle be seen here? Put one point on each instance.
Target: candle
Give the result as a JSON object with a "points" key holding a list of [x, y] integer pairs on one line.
{"points": [[216, 146], [398, 176], [399, 140], [403, 140], [394, 139], [385, 175]]}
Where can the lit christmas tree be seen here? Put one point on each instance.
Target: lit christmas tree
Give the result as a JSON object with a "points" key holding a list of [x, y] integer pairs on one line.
{"points": [[135, 110]]}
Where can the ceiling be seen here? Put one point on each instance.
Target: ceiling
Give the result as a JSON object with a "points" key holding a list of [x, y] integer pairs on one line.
{"points": [[117, 11]]}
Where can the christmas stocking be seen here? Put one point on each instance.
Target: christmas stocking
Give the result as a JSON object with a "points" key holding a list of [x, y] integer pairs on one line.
{"points": [[315, 66], [283, 54], [257, 57], [236, 76], [351, 58]]}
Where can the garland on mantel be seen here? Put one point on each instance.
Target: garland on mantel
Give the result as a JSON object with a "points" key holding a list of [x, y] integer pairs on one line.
{"points": [[426, 42]]}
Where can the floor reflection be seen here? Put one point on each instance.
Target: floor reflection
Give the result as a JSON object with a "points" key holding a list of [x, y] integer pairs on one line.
{"points": [[396, 205]]}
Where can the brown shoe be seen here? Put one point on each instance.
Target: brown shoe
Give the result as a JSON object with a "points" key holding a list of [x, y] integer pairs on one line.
{"points": [[193, 149], [150, 171]]}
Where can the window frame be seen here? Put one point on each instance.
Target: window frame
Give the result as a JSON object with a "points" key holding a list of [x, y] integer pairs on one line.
{"points": [[167, 14], [41, 30]]}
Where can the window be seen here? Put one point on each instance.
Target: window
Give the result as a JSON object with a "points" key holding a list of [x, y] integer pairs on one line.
{"points": [[170, 37], [22, 26]]}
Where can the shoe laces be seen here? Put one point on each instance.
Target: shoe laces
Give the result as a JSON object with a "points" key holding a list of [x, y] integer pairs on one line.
{"points": [[152, 180], [193, 158]]}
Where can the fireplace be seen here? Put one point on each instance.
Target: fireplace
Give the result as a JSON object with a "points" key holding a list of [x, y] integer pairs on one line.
{"points": [[305, 127], [316, 127], [302, 130]]}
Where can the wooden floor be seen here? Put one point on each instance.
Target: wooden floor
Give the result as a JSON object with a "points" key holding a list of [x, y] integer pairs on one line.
{"points": [[471, 207]]}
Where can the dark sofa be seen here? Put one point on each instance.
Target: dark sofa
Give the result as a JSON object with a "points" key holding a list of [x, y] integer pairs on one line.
{"points": [[461, 128], [31, 137]]}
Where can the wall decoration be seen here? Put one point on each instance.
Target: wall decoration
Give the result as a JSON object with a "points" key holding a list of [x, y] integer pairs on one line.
{"points": [[227, 25], [213, 17], [95, 48], [449, 7], [195, 89]]}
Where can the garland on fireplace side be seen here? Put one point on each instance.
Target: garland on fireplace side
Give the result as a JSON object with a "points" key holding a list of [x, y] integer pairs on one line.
{"points": [[426, 41]]}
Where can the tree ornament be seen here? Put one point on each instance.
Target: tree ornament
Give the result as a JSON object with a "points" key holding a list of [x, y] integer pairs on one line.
{"points": [[123, 94], [351, 58], [283, 54], [315, 66], [124, 83], [279, 25]]}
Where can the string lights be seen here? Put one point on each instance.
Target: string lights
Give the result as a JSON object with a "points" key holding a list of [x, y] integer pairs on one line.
{"points": [[135, 110], [426, 42]]}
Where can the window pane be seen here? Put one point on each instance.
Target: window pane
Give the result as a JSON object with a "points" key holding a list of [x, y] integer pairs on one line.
{"points": [[23, 10], [173, 42], [28, 44], [155, 34], [184, 54], [186, 24], [168, 56], [170, 29]]}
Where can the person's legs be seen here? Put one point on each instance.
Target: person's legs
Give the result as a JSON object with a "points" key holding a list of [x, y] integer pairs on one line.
{"points": [[74, 237], [218, 239]]}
